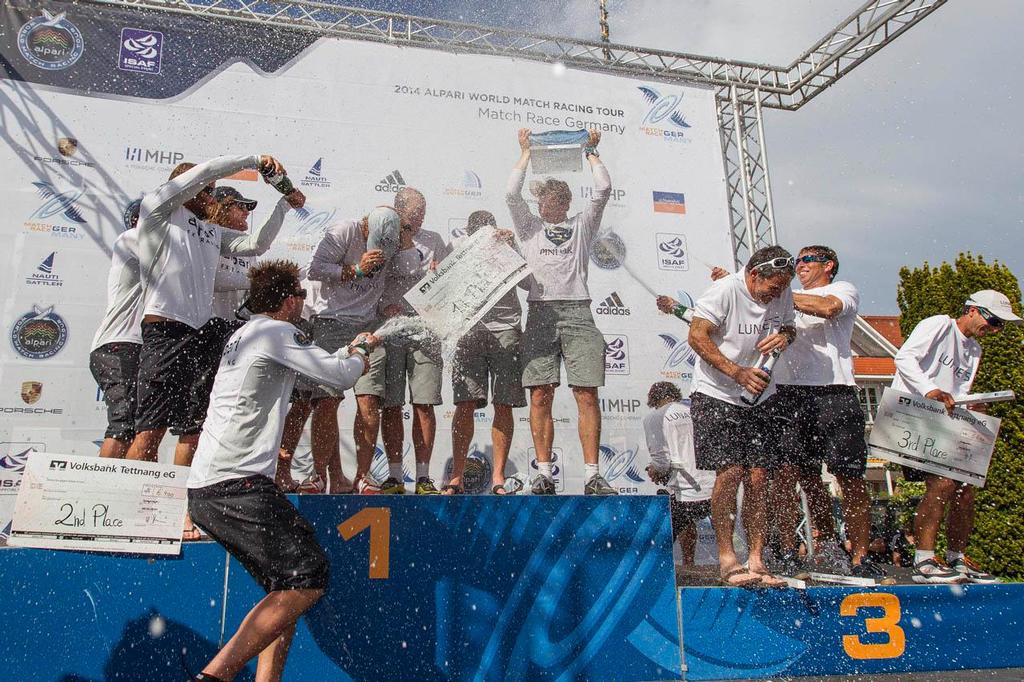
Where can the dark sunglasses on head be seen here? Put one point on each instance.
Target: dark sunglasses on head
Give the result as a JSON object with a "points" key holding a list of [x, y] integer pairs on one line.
{"points": [[990, 319], [813, 259]]}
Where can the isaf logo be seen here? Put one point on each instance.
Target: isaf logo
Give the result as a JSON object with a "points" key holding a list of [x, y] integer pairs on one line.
{"points": [[39, 334], [141, 50], [616, 354], [672, 252], [50, 42]]}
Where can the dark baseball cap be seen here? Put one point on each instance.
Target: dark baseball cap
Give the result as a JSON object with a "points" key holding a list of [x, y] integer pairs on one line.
{"points": [[224, 192]]}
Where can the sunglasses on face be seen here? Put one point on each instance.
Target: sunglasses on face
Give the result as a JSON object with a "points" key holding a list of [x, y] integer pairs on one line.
{"points": [[813, 259], [775, 264], [990, 319]]}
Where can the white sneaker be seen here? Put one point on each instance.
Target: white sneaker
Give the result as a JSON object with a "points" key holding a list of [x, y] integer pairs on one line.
{"points": [[972, 572], [934, 572], [311, 485]]}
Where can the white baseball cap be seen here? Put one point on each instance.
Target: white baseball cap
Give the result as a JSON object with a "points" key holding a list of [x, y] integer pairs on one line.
{"points": [[994, 302]]}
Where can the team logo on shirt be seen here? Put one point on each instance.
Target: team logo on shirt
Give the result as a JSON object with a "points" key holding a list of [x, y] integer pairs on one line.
{"points": [[558, 234], [609, 251], [130, 214], [616, 354], [50, 42], [302, 339], [39, 334], [958, 371]]}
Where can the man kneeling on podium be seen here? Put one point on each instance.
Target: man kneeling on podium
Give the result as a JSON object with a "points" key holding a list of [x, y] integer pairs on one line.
{"points": [[232, 495]]}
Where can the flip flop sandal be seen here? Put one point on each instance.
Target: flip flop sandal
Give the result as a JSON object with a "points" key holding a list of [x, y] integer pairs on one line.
{"points": [[455, 489], [725, 582], [769, 581], [500, 490]]}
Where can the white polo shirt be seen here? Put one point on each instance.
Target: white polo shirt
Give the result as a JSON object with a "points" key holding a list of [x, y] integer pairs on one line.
{"points": [[937, 355], [820, 354], [669, 433]]}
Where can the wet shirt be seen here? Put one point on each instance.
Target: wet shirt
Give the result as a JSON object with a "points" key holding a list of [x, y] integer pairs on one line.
{"points": [[669, 434], [820, 354], [559, 255], [937, 355], [506, 314], [741, 324], [179, 253], [123, 317], [352, 301], [411, 265], [250, 397]]}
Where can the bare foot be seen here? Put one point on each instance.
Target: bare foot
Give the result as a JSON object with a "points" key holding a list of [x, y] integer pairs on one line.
{"points": [[189, 532]]}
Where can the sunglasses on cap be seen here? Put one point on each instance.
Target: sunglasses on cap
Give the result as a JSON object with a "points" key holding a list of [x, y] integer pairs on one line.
{"points": [[813, 259], [775, 264], [990, 319]]}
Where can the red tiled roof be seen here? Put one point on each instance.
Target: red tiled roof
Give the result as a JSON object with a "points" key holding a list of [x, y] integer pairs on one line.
{"points": [[888, 326], [874, 367]]}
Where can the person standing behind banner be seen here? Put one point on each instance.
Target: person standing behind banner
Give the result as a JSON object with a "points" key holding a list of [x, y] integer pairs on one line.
{"points": [[668, 430], [738, 320], [939, 361], [231, 491], [418, 360], [488, 356], [179, 254], [560, 326], [114, 355], [349, 263]]}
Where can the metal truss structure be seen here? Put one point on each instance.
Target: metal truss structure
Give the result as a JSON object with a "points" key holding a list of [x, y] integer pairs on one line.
{"points": [[744, 89]]}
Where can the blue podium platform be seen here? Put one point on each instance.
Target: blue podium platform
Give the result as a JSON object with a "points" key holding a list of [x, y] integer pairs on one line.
{"points": [[487, 588]]}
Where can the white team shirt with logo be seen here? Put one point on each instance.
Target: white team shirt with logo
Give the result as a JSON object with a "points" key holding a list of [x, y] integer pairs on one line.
{"points": [[559, 255], [411, 265], [122, 321], [250, 397], [669, 433], [937, 355], [741, 324], [820, 354], [352, 301], [179, 253]]}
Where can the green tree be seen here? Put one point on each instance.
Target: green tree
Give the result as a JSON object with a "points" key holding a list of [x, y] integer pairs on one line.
{"points": [[998, 539]]}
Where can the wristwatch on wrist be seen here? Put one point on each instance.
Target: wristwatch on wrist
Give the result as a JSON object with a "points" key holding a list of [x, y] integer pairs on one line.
{"points": [[591, 151]]}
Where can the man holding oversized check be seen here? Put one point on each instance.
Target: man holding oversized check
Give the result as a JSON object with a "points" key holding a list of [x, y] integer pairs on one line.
{"points": [[939, 361]]}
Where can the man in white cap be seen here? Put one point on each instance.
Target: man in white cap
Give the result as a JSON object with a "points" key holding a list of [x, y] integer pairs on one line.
{"points": [[939, 360]]}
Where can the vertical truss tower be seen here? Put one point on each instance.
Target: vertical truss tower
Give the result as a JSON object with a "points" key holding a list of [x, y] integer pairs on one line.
{"points": [[744, 89]]}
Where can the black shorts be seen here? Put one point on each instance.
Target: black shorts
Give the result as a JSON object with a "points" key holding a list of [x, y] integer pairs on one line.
{"points": [[173, 359], [822, 424], [115, 367], [725, 434], [213, 337], [257, 525], [686, 513]]}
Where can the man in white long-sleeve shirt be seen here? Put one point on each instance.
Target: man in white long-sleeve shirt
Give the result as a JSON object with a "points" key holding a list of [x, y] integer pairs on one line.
{"points": [[560, 326], [232, 495], [939, 360], [669, 433], [179, 254]]}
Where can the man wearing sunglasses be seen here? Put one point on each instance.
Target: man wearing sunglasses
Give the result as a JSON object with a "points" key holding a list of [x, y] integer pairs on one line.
{"points": [[232, 495], [737, 321], [821, 420], [939, 360]]}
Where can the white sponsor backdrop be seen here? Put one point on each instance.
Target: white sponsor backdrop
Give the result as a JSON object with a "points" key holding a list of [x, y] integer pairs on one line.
{"points": [[351, 121]]}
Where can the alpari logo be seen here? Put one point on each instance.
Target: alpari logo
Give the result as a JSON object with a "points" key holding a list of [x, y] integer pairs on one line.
{"points": [[663, 118], [44, 275], [392, 182], [141, 50], [39, 334], [315, 176], [613, 305], [152, 159], [616, 354], [50, 42], [470, 187], [608, 251], [621, 464], [681, 358], [672, 252], [476, 478], [380, 470]]}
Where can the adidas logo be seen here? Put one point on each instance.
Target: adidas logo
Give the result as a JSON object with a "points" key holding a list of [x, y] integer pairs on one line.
{"points": [[392, 183], [613, 305]]}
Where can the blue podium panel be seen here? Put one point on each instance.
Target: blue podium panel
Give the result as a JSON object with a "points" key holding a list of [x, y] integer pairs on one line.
{"points": [[76, 616], [735, 633], [486, 588]]}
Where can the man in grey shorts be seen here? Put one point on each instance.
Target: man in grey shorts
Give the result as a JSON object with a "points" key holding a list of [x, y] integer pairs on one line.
{"points": [[417, 361], [487, 357], [560, 326], [349, 262]]}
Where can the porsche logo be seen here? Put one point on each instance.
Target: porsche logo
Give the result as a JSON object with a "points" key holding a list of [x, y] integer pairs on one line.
{"points": [[67, 146], [31, 391]]}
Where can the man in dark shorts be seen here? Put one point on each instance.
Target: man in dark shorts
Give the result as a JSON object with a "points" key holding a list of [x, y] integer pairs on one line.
{"points": [[232, 495], [669, 433], [736, 322]]}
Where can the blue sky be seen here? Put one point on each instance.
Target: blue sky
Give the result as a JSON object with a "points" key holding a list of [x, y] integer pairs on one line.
{"points": [[914, 156]]}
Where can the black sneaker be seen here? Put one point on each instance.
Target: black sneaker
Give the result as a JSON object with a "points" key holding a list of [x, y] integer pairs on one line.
{"points": [[788, 563], [868, 569], [598, 486], [542, 485]]}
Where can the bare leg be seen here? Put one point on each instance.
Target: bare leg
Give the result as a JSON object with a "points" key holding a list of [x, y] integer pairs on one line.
{"points": [[688, 542], [112, 447], [463, 430], [856, 512], [365, 430], [267, 621], [393, 432], [960, 518], [785, 504], [590, 422], [723, 515], [185, 450], [145, 445], [271, 660], [298, 413], [755, 501], [541, 426], [424, 429], [938, 492], [820, 503], [502, 429], [324, 436]]}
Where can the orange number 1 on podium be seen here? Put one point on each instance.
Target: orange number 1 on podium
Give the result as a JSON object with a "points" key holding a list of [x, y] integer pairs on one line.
{"points": [[378, 520]]}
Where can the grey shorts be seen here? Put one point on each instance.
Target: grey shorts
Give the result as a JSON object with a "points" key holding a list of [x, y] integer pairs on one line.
{"points": [[487, 359], [331, 334], [566, 330], [419, 363]]}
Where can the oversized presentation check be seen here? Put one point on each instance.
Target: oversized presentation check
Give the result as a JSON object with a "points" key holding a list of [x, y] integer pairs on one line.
{"points": [[919, 433], [458, 293], [103, 505]]}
